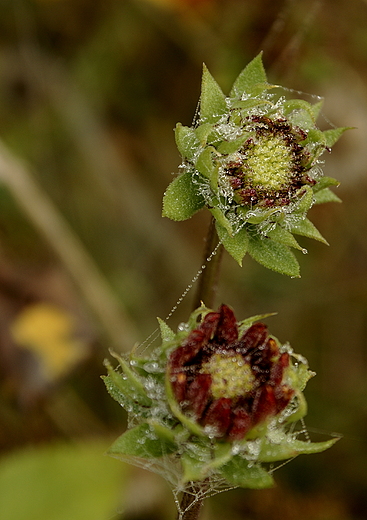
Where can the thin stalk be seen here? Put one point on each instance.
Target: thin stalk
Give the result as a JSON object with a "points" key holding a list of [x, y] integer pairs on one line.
{"points": [[208, 280], [193, 499]]}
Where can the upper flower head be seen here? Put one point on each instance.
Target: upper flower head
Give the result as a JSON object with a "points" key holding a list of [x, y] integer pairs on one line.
{"points": [[271, 166], [228, 382], [253, 159]]}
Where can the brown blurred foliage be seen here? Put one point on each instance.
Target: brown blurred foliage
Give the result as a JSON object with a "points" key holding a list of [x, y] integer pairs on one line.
{"points": [[89, 94]]}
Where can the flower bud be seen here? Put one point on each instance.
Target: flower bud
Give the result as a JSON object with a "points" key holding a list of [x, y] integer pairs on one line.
{"points": [[229, 383], [216, 400]]}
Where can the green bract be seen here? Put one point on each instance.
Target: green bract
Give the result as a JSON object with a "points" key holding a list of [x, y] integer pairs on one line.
{"points": [[226, 435], [253, 159]]}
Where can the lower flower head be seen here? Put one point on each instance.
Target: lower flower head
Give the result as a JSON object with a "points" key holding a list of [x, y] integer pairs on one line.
{"points": [[229, 383], [215, 400]]}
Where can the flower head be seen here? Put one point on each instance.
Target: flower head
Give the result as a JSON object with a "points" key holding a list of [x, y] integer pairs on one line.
{"points": [[253, 159], [226, 382], [216, 400]]}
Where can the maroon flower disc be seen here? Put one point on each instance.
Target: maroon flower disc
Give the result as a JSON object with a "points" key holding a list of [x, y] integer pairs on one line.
{"points": [[227, 383]]}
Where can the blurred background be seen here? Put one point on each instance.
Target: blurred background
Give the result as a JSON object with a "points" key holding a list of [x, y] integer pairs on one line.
{"points": [[90, 92]]}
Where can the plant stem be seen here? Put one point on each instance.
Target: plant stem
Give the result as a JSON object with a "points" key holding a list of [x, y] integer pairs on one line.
{"points": [[208, 280], [192, 500]]}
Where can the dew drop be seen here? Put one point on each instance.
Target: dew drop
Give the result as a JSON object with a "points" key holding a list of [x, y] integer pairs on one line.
{"points": [[182, 327]]}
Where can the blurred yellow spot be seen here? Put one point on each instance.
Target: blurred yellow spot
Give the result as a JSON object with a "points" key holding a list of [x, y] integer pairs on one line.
{"points": [[48, 332]]}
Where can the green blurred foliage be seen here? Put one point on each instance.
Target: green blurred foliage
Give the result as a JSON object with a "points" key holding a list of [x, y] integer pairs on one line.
{"points": [[61, 481], [89, 95]]}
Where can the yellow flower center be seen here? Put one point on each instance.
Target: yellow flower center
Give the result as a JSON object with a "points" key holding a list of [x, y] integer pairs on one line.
{"points": [[270, 163], [231, 375]]}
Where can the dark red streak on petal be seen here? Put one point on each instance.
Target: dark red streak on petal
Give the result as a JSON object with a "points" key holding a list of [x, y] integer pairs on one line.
{"points": [[227, 331], [240, 425], [198, 394], [219, 416]]}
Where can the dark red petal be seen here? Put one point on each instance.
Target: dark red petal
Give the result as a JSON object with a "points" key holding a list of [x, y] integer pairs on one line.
{"points": [[195, 340], [227, 331], [277, 370], [264, 405], [241, 424], [179, 356], [198, 394], [218, 416], [178, 381], [254, 336], [209, 325]]}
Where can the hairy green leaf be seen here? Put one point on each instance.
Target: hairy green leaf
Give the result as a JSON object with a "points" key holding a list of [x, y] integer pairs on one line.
{"points": [[251, 76], [240, 473], [236, 245], [141, 441], [205, 164], [186, 141], [181, 199], [273, 255]]}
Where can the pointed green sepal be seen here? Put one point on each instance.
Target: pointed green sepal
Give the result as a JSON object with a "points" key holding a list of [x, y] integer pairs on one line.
{"points": [[252, 75], [236, 245], [316, 108], [300, 105], [203, 131], [239, 472], [300, 411], [245, 324], [331, 136], [301, 374], [273, 255], [127, 385], [306, 201], [326, 195], [307, 229], [314, 137], [181, 199], [212, 100], [222, 220], [325, 182], [282, 236], [120, 392], [167, 333], [290, 448]]}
